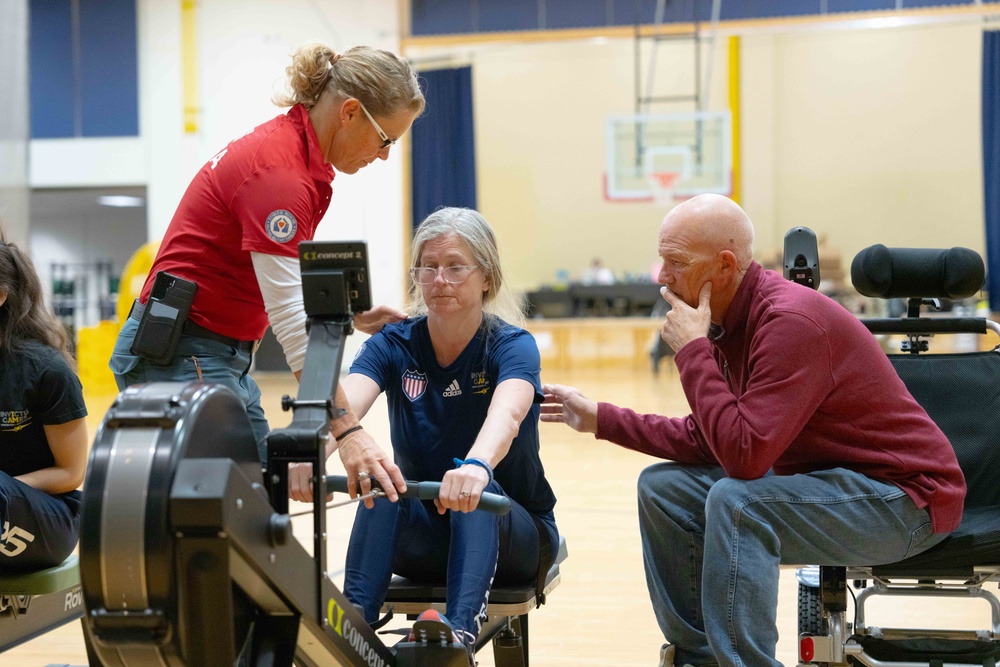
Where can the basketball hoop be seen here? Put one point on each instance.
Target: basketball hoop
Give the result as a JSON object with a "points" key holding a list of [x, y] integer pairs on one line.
{"points": [[662, 184]]}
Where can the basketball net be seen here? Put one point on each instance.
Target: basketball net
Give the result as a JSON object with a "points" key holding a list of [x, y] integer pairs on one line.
{"points": [[662, 184]]}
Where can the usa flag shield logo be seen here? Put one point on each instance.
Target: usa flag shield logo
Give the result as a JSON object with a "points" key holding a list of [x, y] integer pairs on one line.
{"points": [[414, 384]]}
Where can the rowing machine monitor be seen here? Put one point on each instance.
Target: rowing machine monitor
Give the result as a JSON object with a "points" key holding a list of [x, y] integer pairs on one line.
{"points": [[334, 278]]}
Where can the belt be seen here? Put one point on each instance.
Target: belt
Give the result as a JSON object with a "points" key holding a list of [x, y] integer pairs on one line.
{"points": [[192, 329]]}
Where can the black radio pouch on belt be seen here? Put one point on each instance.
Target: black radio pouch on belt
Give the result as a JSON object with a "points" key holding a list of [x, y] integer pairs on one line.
{"points": [[162, 322]]}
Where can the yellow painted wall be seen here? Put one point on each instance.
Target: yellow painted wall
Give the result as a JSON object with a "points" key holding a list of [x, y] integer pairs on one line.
{"points": [[863, 135], [875, 135], [540, 111]]}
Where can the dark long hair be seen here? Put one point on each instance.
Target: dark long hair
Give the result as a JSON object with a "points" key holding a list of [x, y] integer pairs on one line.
{"points": [[23, 316]]}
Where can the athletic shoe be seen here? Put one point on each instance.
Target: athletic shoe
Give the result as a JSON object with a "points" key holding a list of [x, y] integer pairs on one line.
{"points": [[667, 652], [431, 626], [667, 655]]}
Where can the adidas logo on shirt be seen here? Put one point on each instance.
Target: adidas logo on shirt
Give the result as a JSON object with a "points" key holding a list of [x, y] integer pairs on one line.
{"points": [[452, 390]]}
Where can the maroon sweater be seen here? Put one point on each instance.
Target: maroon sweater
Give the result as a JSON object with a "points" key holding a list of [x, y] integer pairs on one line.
{"points": [[796, 384]]}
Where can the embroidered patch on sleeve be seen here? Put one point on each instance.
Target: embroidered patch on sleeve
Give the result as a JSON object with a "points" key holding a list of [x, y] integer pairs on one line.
{"points": [[281, 226]]}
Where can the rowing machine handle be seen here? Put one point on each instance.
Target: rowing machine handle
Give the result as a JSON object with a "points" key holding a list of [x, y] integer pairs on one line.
{"points": [[491, 502]]}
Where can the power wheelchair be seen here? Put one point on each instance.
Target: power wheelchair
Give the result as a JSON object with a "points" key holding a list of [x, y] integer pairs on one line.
{"points": [[961, 392]]}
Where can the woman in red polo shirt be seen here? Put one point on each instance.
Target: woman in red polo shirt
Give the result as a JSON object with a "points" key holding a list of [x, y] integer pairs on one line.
{"points": [[237, 228]]}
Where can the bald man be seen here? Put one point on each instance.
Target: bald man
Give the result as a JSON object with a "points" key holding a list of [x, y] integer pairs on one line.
{"points": [[802, 446]]}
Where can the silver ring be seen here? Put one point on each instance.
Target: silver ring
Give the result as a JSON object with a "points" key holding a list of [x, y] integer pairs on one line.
{"points": [[466, 494], [363, 475]]}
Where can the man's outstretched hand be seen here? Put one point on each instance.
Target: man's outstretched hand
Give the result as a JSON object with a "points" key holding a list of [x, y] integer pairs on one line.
{"points": [[567, 405]]}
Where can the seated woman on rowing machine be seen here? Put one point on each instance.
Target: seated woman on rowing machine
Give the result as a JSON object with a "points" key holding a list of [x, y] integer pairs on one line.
{"points": [[462, 383], [43, 430]]}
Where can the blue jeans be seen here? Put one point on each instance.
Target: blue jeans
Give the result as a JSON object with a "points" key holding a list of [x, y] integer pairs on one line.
{"points": [[712, 546], [219, 363], [466, 551]]}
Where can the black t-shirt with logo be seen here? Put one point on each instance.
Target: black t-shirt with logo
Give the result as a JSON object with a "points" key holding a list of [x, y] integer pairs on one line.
{"points": [[37, 388]]}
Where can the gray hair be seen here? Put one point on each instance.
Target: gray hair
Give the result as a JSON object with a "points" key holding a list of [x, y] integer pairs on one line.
{"points": [[472, 228], [381, 80]]}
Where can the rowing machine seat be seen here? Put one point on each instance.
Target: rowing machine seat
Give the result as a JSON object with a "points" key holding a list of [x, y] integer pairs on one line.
{"points": [[33, 603], [507, 612]]}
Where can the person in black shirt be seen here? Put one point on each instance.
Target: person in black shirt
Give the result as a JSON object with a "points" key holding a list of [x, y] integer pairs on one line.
{"points": [[43, 433]]}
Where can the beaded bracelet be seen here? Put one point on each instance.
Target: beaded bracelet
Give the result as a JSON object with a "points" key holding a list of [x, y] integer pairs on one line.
{"points": [[346, 433], [476, 462]]}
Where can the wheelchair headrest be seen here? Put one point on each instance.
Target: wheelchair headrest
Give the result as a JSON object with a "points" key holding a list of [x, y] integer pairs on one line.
{"points": [[917, 272]]}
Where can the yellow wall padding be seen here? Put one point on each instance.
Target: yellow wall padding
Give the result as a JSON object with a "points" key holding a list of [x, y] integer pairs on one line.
{"points": [[133, 278], [94, 345], [93, 349]]}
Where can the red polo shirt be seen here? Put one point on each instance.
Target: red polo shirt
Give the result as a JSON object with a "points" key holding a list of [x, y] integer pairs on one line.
{"points": [[265, 192]]}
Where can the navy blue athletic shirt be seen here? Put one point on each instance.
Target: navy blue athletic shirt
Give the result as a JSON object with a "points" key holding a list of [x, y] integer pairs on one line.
{"points": [[436, 413]]}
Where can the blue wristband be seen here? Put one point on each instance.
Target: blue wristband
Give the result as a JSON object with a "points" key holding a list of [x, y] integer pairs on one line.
{"points": [[476, 462]]}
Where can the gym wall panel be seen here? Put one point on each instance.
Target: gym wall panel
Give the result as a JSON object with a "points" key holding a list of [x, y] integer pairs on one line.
{"points": [[432, 17], [109, 98], [52, 89], [837, 6], [508, 15], [437, 17], [757, 9], [573, 14], [83, 69], [644, 11], [936, 3]]}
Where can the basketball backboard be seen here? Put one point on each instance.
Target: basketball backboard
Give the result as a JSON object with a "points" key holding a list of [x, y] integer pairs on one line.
{"points": [[695, 145]]}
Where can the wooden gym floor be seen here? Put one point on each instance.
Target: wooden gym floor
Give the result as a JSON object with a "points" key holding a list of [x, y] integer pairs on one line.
{"points": [[600, 614]]}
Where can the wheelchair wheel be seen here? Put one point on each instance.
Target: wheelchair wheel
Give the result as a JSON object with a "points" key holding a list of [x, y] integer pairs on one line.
{"points": [[811, 621]]}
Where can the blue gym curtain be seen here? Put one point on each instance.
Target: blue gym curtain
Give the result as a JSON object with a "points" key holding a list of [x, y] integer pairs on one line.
{"points": [[991, 161], [444, 156]]}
